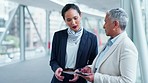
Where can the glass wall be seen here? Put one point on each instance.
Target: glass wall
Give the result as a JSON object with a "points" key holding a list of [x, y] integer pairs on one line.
{"points": [[34, 28], [10, 42]]}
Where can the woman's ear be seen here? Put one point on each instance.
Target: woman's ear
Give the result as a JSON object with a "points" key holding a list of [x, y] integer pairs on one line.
{"points": [[116, 23], [80, 16]]}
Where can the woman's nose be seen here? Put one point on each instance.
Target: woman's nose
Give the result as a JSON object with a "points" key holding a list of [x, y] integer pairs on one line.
{"points": [[104, 26], [73, 22]]}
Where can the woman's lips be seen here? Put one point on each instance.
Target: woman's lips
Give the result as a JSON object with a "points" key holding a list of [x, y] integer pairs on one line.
{"points": [[74, 27]]}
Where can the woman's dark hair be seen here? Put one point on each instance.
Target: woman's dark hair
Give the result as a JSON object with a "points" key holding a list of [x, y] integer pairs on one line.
{"points": [[70, 6]]}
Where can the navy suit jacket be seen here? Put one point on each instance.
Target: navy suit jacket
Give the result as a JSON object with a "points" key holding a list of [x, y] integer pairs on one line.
{"points": [[87, 51]]}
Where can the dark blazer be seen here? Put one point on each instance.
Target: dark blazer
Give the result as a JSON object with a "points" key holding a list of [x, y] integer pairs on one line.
{"points": [[87, 51]]}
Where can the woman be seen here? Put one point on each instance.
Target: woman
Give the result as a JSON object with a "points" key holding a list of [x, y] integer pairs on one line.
{"points": [[117, 62], [72, 48]]}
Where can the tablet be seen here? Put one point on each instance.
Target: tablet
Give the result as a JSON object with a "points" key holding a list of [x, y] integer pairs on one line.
{"points": [[69, 72], [81, 73]]}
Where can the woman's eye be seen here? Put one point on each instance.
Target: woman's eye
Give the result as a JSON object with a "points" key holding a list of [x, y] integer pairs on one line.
{"points": [[75, 18], [68, 20]]}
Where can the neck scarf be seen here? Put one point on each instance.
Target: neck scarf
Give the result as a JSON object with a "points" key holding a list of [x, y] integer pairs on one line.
{"points": [[74, 37]]}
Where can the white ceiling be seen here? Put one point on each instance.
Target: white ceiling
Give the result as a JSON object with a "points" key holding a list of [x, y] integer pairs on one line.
{"points": [[101, 5], [46, 4]]}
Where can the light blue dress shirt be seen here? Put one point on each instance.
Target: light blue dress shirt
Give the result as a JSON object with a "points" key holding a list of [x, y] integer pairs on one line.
{"points": [[104, 51]]}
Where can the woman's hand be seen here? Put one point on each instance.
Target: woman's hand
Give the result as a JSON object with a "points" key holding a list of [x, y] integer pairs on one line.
{"points": [[58, 73], [90, 77], [90, 74], [86, 69], [76, 77]]}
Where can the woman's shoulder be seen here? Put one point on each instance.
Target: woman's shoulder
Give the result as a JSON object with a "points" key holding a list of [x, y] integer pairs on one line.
{"points": [[61, 31], [91, 34]]}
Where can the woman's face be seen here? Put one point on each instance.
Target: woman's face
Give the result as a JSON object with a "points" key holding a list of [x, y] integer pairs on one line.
{"points": [[109, 26], [72, 19]]}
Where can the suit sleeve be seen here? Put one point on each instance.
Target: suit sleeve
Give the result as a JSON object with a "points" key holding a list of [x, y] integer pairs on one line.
{"points": [[127, 67], [94, 50], [53, 61]]}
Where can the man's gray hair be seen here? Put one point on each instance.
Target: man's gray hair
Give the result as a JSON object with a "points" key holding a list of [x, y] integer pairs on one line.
{"points": [[120, 15]]}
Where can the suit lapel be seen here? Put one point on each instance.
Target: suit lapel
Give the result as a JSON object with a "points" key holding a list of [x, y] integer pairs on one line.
{"points": [[63, 47], [108, 53], [112, 48], [81, 46]]}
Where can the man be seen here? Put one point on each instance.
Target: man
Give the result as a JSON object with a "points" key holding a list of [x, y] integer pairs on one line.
{"points": [[117, 62]]}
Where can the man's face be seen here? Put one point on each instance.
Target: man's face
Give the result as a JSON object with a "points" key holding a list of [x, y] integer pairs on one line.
{"points": [[72, 19], [109, 26]]}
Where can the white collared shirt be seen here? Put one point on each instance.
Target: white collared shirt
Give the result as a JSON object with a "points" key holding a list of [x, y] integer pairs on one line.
{"points": [[72, 47], [107, 46]]}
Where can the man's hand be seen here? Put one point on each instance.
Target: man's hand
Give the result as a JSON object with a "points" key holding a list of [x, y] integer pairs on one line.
{"points": [[58, 73]]}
